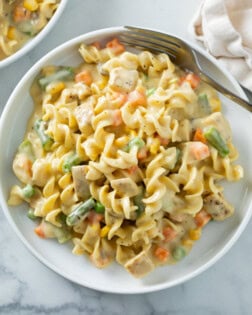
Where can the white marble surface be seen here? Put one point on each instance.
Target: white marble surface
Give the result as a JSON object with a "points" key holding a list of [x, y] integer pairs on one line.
{"points": [[27, 287]]}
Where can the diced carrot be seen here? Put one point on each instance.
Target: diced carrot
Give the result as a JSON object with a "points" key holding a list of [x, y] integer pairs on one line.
{"points": [[199, 136], [94, 217], [20, 14], [137, 98], [191, 78], [84, 76], [116, 46], [132, 170], [199, 150], [117, 118], [202, 218], [119, 98], [39, 231], [97, 45], [163, 141], [169, 233], [162, 254], [142, 153], [27, 165]]}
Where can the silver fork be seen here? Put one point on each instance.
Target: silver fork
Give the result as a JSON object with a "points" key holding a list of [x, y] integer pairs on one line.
{"points": [[179, 52]]}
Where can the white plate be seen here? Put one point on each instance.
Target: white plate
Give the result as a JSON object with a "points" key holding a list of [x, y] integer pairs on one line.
{"points": [[217, 237], [36, 39]]}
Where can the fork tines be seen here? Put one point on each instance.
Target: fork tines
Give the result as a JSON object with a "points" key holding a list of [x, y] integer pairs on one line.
{"points": [[150, 40]]}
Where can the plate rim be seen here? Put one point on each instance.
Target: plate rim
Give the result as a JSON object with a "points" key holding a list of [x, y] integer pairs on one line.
{"points": [[51, 266]]}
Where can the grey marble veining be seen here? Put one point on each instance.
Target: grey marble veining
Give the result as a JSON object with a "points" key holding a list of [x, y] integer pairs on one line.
{"points": [[27, 287]]}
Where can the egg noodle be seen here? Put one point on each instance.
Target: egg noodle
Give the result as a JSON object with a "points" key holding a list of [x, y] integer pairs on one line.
{"points": [[21, 20], [124, 156]]}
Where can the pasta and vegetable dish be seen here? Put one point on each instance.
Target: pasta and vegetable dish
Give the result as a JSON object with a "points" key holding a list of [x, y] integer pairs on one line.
{"points": [[123, 156], [21, 20]]}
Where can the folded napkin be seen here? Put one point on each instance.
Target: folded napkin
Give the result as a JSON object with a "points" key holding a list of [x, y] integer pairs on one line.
{"points": [[225, 28]]}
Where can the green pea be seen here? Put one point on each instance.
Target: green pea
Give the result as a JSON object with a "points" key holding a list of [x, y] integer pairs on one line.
{"points": [[178, 253], [31, 215], [99, 207], [28, 191]]}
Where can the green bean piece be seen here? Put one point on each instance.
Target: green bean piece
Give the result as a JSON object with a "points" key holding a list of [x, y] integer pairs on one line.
{"points": [[27, 27], [46, 141], [214, 138], [204, 103], [99, 207], [28, 191], [79, 212], [178, 156], [151, 91], [178, 253], [134, 142], [138, 201], [61, 218], [70, 161], [31, 215], [63, 74]]}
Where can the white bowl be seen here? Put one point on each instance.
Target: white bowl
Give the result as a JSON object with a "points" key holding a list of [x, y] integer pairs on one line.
{"points": [[217, 238], [36, 39]]}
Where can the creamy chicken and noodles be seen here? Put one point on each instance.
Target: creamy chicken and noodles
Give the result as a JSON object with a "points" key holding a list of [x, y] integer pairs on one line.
{"points": [[21, 20], [124, 156]]}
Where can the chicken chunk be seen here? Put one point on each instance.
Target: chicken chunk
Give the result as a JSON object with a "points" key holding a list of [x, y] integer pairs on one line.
{"points": [[125, 186], [217, 207], [81, 185], [84, 114], [140, 265], [123, 80]]}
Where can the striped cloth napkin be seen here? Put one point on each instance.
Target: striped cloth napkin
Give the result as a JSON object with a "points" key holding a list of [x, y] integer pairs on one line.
{"points": [[225, 29]]}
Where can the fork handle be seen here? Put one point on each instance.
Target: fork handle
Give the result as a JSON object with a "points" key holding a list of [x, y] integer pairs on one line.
{"points": [[207, 79]]}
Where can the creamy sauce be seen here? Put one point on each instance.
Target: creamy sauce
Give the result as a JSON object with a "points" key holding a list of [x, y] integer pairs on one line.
{"points": [[141, 175]]}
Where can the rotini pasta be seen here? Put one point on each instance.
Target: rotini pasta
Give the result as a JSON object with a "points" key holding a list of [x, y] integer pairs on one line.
{"points": [[124, 156]]}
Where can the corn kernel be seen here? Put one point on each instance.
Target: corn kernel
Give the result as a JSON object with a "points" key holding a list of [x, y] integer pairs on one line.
{"points": [[187, 242], [103, 82], [11, 34], [127, 130], [133, 133], [215, 104], [155, 146], [31, 5], [104, 231], [55, 87], [195, 234]]}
